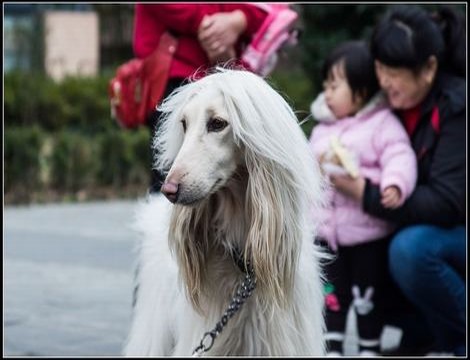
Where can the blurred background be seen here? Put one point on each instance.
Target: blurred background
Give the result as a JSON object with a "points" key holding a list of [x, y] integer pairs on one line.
{"points": [[68, 269], [58, 60]]}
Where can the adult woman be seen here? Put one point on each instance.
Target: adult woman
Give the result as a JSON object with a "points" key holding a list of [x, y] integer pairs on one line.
{"points": [[427, 256], [207, 34]]}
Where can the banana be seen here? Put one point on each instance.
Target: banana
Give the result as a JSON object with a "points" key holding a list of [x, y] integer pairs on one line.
{"points": [[345, 157]]}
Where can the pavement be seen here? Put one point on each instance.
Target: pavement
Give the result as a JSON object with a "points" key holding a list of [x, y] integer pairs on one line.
{"points": [[67, 275], [67, 280]]}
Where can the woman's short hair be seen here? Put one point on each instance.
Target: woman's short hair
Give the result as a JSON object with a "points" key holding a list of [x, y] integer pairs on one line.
{"points": [[408, 35]]}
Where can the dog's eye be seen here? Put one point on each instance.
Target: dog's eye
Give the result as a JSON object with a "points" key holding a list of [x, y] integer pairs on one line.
{"points": [[216, 125], [183, 122]]}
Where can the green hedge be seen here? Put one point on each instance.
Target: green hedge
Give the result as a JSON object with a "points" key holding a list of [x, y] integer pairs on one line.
{"points": [[22, 149], [81, 103], [298, 92], [73, 162], [68, 162], [76, 102], [125, 157], [59, 138]]}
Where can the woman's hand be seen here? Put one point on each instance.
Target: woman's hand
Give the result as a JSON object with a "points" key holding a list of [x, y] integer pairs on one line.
{"points": [[349, 186], [218, 34]]}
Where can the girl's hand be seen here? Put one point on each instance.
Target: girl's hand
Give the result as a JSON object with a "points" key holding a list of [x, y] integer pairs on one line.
{"points": [[391, 197], [349, 186]]}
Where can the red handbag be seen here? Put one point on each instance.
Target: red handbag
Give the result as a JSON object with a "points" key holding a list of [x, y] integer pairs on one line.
{"points": [[139, 84]]}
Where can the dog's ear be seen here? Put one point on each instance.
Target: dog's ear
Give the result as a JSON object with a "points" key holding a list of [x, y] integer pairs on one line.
{"points": [[274, 232], [169, 131], [283, 182], [188, 239]]}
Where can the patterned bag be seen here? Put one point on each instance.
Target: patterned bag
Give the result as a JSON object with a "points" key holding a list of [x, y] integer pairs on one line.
{"points": [[260, 56]]}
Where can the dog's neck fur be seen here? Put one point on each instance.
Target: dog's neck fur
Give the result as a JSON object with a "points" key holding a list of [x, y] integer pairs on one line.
{"points": [[203, 238]]}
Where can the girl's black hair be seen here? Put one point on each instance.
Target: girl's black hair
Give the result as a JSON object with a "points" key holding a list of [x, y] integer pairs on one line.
{"points": [[358, 67], [408, 35]]}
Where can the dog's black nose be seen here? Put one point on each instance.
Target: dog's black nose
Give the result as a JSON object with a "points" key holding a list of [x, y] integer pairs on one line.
{"points": [[170, 190]]}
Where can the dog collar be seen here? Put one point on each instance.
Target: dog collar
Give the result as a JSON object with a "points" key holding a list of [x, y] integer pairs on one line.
{"points": [[243, 292]]}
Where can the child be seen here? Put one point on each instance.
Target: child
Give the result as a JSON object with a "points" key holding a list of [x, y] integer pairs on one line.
{"points": [[358, 134]]}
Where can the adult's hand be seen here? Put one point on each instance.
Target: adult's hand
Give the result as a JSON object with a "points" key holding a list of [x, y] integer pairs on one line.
{"points": [[349, 186], [218, 33]]}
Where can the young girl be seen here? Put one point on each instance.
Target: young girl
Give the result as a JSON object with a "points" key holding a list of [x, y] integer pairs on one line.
{"points": [[358, 134]]}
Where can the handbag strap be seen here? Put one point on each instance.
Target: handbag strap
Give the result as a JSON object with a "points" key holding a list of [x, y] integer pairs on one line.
{"points": [[168, 42], [156, 68]]}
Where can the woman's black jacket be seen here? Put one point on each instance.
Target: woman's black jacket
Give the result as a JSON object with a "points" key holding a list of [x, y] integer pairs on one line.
{"points": [[440, 146]]}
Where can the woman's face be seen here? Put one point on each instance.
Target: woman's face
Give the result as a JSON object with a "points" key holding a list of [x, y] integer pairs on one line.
{"points": [[403, 88]]}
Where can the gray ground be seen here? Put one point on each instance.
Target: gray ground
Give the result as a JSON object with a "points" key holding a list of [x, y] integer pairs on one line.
{"points": [[67, 273]]}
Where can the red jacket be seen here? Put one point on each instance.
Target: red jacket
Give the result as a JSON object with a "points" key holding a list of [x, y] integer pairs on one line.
{"points": [[183, 20]]}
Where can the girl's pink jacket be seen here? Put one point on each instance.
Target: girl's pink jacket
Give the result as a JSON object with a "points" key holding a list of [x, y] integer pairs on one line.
{"points": [[382, 148]]}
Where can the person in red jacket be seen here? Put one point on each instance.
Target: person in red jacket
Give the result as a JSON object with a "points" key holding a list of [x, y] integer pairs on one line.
{"points": [[207, 34]]}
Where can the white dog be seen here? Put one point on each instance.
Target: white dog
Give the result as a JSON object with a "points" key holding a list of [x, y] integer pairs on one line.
{"points": [[242, 181]]}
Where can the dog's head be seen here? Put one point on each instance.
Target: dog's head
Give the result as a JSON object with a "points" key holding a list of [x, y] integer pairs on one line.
{"points": [[207, 155], [224, 120], [211, 128]]}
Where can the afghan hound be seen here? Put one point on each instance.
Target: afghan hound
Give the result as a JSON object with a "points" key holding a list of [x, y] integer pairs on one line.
{"points": [[242, 187]]}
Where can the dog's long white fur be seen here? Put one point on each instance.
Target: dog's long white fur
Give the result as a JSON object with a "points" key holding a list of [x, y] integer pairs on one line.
{"points": [[252, 186]]}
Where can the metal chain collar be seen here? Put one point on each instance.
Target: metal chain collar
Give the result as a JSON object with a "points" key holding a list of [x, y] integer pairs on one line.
{"points": [[244, 291]]}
